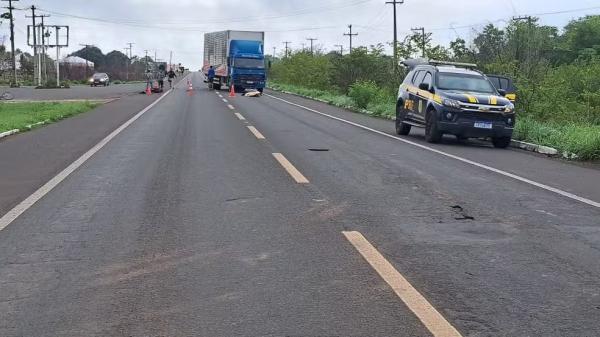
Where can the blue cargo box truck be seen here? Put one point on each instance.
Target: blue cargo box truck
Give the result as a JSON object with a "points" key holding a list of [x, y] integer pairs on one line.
{"points": [[238, 57]]}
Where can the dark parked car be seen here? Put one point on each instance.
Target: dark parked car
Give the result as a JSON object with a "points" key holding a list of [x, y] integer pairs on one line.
{"points": [[453, 98], [99, 79], [506, 84]]}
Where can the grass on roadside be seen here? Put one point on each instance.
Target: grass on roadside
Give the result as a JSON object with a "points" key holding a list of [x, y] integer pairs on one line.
{"points": [[581, 140], [382, 106], [21, 115], [578, 139]]}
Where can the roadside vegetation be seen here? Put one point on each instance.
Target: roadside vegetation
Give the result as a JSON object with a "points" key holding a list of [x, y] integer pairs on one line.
{"points": [[24, 116], [557, 73]]}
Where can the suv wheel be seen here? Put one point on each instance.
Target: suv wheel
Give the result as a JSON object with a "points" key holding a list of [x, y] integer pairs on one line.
{"points": [[501, 142], [432, 134], [401, 128]]}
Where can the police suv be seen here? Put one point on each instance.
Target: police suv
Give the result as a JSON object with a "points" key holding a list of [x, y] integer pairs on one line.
{"points": [[453, 98]]}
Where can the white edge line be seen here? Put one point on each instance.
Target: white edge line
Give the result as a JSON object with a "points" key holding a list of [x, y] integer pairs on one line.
{"points": [[24, 205], [224, 100], [464, 160], [239, 116], [230, 107]]}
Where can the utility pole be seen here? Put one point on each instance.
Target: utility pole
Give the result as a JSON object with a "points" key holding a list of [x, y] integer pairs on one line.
{"points": [[57, 58], [129, 56], [86, 57], [44, 36], [127, 63], [286, 48], [146, 59], [130, 44], [311, 43], [274, 51], [423, 42], [394, 3], [170, 59], [341, 46], [40, 38], [529, 20], [12, 40], [350, 35], [35, 56]]}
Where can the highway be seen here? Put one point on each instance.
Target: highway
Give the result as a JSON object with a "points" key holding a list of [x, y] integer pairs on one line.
{"points": [[76, 92], [206, 215]]}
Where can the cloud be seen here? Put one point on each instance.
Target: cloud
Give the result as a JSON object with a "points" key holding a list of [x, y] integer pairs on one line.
{"points": [[179, 25]]}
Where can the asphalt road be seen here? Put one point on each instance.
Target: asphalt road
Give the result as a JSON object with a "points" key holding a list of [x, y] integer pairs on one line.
{"points": [[76, 92], [185, 224]]}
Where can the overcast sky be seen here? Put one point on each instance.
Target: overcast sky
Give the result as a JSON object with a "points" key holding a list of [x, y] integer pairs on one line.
{"points": [[179, 25]]}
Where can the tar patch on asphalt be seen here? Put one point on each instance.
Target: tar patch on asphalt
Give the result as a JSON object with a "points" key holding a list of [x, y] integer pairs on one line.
{"points": [[318, 150], [461, 214]]}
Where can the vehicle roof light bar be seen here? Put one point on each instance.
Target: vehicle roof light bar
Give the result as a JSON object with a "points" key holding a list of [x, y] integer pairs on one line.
{"points": [[456, 64]]}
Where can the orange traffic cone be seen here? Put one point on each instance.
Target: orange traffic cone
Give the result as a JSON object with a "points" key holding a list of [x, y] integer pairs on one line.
{"points": [[190, 88], [231, 90]]}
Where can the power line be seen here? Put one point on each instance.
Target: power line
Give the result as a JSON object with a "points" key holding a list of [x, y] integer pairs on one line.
{"points": [[350, 35], [138, 23]]}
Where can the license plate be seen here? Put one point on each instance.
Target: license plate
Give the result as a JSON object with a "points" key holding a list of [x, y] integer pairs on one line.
{"points": [[483, 125], [250, 82]]}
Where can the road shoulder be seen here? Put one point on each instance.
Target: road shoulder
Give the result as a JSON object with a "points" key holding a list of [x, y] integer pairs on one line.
{"points": [[32, 158]]}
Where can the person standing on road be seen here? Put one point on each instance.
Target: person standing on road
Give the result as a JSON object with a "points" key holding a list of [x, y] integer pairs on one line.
{"points": [[211, 76], [171, 75]]}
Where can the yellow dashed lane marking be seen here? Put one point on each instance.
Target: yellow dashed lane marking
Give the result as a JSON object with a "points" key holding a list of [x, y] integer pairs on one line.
{"points": [[255, 132], [428, 315], [296, 175]]}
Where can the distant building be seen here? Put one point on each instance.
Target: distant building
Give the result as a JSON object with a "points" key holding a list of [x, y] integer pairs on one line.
{"points": [[76, 61], [76, 68]]}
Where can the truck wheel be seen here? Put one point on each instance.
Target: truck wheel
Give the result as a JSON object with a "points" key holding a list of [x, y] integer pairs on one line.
{"points": [[432, 134], [501, 142], [401, 128], [260, 90]]}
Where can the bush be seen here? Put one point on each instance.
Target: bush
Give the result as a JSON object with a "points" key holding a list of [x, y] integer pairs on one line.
{"points": [[363, 93], [117, 82]]}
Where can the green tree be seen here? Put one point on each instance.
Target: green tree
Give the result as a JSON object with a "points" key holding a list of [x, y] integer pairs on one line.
{"points": [[582, 37], [92, 54], [489, 44], [460, 51]]}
